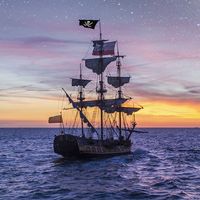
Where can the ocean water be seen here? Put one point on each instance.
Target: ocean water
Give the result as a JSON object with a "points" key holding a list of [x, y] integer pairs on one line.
{"points": [[164, 164]]}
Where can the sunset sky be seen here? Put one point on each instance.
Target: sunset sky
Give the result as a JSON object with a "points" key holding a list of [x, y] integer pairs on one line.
{"points": [[42, 44]]}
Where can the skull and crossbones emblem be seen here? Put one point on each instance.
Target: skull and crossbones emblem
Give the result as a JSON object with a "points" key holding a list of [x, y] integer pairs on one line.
{"points": [[88, 24]]}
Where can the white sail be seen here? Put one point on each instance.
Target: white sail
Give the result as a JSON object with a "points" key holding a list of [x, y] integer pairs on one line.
{"points": [[116, 81], [80, 82], [98, 65]]}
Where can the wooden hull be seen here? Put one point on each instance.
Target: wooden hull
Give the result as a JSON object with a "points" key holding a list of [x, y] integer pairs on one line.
{"points": [[72, 146]]}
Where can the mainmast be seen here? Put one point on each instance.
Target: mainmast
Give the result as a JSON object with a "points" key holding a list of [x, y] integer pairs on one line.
{"points": [[119, 90], [101, 91]]}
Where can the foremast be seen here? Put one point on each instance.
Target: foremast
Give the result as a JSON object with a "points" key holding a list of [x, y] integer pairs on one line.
{"points": [[80, 83], [81, 98], [82, 116]]}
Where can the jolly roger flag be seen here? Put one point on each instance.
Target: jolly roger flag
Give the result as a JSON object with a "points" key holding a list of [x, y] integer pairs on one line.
{"points": [[88, 23]]}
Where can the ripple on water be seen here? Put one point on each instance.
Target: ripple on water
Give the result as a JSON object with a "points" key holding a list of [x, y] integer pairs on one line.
{"points": [[164, 165]]}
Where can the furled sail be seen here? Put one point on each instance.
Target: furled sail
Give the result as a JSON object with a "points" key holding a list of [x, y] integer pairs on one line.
{"points": [[116, 81], [80, 82], [127, 110], [105, 104], [56, 119], [103, 48], [98, 65]]}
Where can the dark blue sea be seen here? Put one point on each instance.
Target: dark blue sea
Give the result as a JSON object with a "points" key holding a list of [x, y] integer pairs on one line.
{"points": [[164, 164]]}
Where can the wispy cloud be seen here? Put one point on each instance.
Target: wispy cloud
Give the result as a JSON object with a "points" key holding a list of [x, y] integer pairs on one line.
{"points": [[35, 40]]}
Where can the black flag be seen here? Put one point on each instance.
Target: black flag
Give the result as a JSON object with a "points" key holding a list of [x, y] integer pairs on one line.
{"points": [[88, 23]]}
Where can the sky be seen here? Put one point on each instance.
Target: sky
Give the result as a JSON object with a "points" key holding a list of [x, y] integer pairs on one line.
{"points": [[42, 45]]}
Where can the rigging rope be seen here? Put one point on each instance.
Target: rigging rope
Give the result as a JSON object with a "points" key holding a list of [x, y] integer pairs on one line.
{"points": [[75, 120], [124, 121], [112, 126], [94, 115]]}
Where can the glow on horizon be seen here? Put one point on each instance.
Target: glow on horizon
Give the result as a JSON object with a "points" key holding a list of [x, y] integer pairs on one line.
{"points": [[40, 49], [154, 114]]}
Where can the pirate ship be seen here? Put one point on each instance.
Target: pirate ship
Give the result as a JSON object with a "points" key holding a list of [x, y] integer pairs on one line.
{"points": [[113, 135]]}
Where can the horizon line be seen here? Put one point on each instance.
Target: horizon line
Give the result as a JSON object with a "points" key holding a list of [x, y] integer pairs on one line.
{"points": [[189, 127]]}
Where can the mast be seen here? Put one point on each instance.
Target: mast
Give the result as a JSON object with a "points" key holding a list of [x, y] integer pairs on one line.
{"points": [[101, 82], [119, 90], [81, 98], [100, 33]]}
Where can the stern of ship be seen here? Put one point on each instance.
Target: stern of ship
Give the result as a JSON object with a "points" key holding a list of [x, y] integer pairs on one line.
{"points": [[66, 145]]}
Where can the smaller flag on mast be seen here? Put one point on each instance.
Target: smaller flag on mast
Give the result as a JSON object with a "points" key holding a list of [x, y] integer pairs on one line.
{"points": [[56, 119], [87, 23], [104, 48]]}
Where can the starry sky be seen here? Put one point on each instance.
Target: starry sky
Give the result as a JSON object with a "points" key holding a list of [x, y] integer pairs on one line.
{"points": [[42, 45]]}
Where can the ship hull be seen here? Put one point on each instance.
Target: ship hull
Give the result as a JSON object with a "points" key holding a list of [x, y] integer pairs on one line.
{"points": [[72, 146]]}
